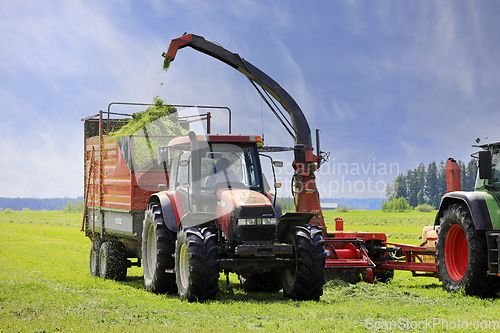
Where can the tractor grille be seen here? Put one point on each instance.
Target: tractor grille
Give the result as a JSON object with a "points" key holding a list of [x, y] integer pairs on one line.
{"points": [[253, 233]]}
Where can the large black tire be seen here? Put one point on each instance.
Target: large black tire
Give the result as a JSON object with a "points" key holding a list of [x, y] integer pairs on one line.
{"points": [[305, 280], [261, 282], [196, 264], [461, 252], [158, 246], [94, 258], [112, 261]]}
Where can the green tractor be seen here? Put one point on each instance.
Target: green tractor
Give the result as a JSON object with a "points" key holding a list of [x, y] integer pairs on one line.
{"points": [[467, 248]]}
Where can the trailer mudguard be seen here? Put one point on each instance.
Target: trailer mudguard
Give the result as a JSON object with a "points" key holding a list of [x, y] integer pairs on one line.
{"points": [[289, 219], [475, 202], [167, 210]]}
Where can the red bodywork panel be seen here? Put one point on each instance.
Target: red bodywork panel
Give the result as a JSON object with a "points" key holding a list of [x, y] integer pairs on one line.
{"points": [[453, 182], [229, 199], [307, 195], [176, 44], [120, 188], [184, 140], [176, 202], [345, 250], [416, 259]]}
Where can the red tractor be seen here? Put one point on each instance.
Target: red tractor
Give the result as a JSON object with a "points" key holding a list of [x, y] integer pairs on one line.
{"points": [[189, 207]]}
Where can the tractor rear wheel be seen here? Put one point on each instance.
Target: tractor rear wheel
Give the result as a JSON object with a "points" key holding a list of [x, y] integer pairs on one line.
{"points": [[158, 246], [461, 252], [196, 264], [304, 281]]}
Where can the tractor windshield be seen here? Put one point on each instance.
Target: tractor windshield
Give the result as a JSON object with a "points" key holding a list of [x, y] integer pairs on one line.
{"points": [[495, 175], [230, 165], [495, 164], [221, 166]]}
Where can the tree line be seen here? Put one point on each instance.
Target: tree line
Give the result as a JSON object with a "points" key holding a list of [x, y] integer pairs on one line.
{"points": [[427, 185], [40, 204]]}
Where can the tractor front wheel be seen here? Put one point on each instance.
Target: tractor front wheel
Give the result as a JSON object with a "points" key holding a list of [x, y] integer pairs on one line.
{"points": [[461, 252], [196, 264], [304, 281]]}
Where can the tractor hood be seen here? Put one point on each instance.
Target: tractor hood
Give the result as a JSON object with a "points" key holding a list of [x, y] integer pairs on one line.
{"points": [[241, 204], [234, 198]]}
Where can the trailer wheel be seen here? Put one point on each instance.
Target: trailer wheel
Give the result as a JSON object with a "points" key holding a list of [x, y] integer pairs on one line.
{"points": [[305, 280], [94, 258], [196, 264], [112, 261], [261, 282], [158, 245], [461, 253]]}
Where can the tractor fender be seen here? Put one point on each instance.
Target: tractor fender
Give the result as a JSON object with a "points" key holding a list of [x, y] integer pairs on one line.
{"points": [[166, 209], [475, 203], [286, 221]]}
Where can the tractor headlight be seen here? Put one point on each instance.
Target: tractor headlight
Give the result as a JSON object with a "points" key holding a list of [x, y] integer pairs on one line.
{"points": [[257, 221], [268, 220], [247, 221]]}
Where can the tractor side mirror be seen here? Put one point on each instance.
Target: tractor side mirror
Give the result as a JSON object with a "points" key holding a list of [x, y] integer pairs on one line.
{"points": [[485, 171], [164, 155], [300, 153]]}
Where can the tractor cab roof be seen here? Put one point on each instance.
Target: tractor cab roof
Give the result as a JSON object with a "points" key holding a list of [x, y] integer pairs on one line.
{"points": [[212, 138], [486, 144]]}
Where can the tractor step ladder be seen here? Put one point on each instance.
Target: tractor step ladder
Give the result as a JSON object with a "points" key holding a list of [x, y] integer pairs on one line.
{"points": [[493, 240]]}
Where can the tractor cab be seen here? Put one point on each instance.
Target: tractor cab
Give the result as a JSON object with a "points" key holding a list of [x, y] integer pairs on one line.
{"points": [[220, 177], [209, 163], [488, 176]]}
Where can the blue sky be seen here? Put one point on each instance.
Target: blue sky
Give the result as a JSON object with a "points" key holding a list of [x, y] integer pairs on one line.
{"points": [[389, 83]]}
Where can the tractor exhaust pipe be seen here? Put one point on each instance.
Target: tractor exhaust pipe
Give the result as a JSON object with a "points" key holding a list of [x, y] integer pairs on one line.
{"points": [[453, 182]]}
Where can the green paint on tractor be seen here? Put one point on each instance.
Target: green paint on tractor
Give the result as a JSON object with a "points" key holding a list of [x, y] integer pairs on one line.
{"points": [[493, 208]]}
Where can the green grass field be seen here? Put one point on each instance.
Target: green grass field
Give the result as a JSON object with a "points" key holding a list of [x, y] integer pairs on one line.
{"points": [[45, 287]]}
